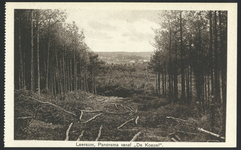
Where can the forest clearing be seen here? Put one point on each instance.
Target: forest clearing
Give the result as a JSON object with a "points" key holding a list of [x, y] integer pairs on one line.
{"points": [[64, 91], [120, 119]]}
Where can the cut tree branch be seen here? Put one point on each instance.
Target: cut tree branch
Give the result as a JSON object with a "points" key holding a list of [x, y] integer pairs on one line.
{"points": [[67, 132], [99, 133], [213, 134], [134, 138], [116, 106], [136, 119], [174, 140], [29, 117], [80, 136], [93, 118], [82, 112], [125, 123], [54, 106]]}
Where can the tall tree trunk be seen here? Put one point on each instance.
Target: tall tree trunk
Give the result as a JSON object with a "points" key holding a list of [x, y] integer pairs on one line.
{"points": [[32, 61], [211, 53], [163, 84], [63, 64], [216, 58], [159, 81], [70, 73], [182, 63], [156, 84], [175, 75], [47, 64], [223, 50], [201, 69], [75, 73], [38, 72], [21, 76], [170, 64], [187, 80], [165, 79]]}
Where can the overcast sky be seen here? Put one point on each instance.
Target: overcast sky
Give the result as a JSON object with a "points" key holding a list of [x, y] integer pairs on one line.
{"points": [[115, 30]]}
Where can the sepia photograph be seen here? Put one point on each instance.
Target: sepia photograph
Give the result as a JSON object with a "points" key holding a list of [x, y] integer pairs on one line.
{"points": [[101, 76]]}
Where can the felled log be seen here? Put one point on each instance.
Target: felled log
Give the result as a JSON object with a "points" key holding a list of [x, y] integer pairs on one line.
{"points": [[178, 138], [173, 139], [60, 108], [82, 112], [91, 111], [99, 133], [116, 106], [125, 123], [80, 136], [93, 118], [189, 133], [177, 119], [208, 132], [67, 132], [136, 119], [114, 113], [134, 138], [29, 117]]}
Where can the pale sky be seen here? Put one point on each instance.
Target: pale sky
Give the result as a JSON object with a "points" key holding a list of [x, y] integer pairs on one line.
{"points": [[115, 30]]}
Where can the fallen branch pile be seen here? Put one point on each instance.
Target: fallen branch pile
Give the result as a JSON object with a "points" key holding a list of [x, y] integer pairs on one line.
{"points": [[197, 128]]}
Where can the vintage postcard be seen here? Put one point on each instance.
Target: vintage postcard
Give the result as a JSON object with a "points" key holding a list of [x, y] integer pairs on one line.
{"points": [[120, 75]]}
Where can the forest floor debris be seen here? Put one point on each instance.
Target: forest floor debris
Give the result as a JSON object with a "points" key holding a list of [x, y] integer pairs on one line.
{"points": [[163, 123]]}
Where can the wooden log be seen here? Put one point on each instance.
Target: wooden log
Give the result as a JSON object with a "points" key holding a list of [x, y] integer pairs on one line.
{"points": [[99, 133], [80, 117], [134, 138], [116, 106], [29, 117], [67, 132], [177, 119], [54, 106], [91, 111], [174, 140], [178, 138], [93, 118], [81, 135], [208, 132], [136, 119], [190, 133], [125, 123]]}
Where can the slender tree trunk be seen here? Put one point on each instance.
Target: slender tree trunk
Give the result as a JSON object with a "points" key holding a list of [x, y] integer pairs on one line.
{"points": [[165, 79], [201, 71], [175, 75], [216, 57], [211, 53], [63, 62], [163, 84], [38, 72], [32, 61], [75, 73], [223, 49], [156, 84], [191, 84], [47, 64], [182, 63], [21, 76], [170, 64], [159, 81], [187, 80], [70, 73]]}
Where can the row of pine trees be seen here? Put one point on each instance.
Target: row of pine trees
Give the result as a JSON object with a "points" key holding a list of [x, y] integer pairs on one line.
{"points": [[190, 59], [51, 56]]}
